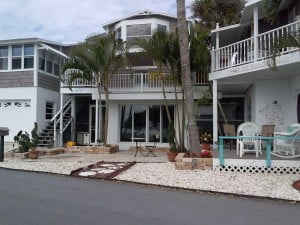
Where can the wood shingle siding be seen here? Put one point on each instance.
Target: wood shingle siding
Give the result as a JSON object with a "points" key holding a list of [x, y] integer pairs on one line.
{"points": [[16, 79], [48, 82]]}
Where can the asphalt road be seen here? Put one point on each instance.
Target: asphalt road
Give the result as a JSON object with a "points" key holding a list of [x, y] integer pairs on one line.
{"points": [[36, 199]]}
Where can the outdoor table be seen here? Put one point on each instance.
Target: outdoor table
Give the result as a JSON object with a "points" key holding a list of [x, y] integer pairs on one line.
{"points": [[137, 147]]}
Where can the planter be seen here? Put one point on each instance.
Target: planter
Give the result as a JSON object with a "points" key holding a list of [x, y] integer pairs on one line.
{"points": [[172, 156], [33, 154], [205, 146]]}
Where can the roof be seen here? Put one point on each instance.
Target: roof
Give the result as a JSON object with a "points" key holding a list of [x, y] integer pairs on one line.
{"points": [[145, 12], [33, 39]]}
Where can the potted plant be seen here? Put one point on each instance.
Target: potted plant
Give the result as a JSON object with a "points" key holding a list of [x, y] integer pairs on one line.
{"points": [[27, 143], [205, 140], [173, 149]]}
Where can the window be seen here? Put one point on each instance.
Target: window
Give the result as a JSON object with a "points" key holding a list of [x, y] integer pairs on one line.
{"points": [[16, 57], [42, 60], [49, 63], [3, 57], [119, 33], [162, 28], [56, 66], [138, 31], [49, 110], [28, 56], [144, 121]]}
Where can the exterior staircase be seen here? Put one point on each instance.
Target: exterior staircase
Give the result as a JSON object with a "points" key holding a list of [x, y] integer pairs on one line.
{"points": [[50, 135]]}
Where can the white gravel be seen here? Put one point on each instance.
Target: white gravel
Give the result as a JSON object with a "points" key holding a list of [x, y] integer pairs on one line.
{"points": [[264, 185]]}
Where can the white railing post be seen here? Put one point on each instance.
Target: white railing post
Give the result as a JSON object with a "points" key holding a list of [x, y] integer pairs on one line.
{"points": [[213, 66], [255, 21], [142, 81]]}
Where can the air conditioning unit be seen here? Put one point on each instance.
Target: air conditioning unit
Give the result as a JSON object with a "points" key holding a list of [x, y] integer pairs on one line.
{"points": [[83, 138]]}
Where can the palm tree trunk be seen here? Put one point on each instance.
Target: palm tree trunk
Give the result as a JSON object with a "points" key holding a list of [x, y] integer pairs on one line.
{"points": [[186, 77], [178, 117]]}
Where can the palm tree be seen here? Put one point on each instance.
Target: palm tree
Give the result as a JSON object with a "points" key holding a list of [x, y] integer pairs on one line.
{"points": [[157, 48], [97, 59], [271, 10], [186, 76]]}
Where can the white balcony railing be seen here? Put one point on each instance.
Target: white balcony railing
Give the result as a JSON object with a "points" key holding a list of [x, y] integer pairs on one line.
{"points": [[141, 82], [244, 51]]}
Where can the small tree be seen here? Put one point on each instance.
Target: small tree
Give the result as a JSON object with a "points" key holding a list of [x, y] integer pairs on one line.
{"points": [[24, 140]]}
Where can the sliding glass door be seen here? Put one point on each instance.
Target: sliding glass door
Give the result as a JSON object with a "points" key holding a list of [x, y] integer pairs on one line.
{"points": [[144, 121]]}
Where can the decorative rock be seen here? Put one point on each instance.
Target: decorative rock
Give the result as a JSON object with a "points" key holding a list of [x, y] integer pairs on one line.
{"points": [[87, 173]]}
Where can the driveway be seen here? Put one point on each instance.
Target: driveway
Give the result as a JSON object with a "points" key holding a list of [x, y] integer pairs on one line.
{"points": [[37, 199]]}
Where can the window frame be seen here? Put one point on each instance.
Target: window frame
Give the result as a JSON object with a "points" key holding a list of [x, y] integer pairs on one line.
{"points": [[5, 57]]}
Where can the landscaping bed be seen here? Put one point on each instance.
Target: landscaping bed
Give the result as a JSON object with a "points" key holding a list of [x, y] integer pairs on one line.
{"points": [[93, 149]]}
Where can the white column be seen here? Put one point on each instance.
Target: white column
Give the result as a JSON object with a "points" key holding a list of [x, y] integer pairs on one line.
{"points": [[215, 113], [217, 56], [96, 121], [73, 115], [255, 32], [35, 65], [100, 122], [61, 120]]}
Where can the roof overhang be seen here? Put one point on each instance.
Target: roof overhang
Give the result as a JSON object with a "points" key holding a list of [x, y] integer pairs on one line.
{"points": [[49, 48]]}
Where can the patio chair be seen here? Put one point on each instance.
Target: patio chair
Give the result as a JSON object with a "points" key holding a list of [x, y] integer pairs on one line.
{"points": [[229, 130], [287, 146], [266, 131], [252, 144], [151, 147]]}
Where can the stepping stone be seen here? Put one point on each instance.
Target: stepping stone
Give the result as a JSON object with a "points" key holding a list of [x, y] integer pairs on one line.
{"points": [[87, 173]]}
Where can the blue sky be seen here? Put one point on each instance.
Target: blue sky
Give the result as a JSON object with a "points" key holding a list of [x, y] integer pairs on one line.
{"points": [[69, 20]]}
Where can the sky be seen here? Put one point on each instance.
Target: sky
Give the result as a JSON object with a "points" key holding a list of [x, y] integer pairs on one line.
{"points": [[69, 21]]}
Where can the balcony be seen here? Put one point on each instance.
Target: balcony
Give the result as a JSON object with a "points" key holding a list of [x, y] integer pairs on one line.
{"points": [[134, 83], [252, 49]]}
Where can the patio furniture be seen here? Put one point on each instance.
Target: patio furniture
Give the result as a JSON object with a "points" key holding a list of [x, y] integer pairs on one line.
{"points": [[137, 146], [288, 145], [266, 131], [251, 144], [229, 130], [150, 148]]}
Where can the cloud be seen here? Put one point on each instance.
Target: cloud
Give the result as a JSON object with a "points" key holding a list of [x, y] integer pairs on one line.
{"points": [[69, 20]]}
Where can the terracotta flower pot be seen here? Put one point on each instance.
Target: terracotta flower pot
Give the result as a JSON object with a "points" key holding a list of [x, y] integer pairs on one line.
{"points": [[172, 156], [33, 154], [205, 146]]}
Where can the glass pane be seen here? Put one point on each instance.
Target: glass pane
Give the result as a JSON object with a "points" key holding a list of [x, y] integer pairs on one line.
{"points": [[28, 62], [49, 66], [41, 64], [16, 63], [126, 122], [28, 50], [154, 123], [3, 63], [56, 69], [139, 121], [3, 51], [139, 29], [165, 122], [17, 50], [162, 28]]}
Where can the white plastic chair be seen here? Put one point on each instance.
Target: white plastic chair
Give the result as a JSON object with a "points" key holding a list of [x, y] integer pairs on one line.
{"points": [[246, 144], [288, 146]]}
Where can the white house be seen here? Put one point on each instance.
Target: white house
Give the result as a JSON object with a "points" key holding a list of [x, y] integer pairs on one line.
{"points": [[241, 66], [29, 83]]}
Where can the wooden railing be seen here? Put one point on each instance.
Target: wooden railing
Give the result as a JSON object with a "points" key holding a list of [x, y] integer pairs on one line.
{"points": [[247, 51]]}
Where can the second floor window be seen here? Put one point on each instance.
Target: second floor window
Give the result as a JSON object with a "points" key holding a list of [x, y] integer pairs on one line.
{"points": [[138, 31], [16, 62], [28, 56], [3, 57]]}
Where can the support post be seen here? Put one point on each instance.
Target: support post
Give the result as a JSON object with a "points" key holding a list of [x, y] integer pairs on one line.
{"points": [[215, 114], [255, 32], [217, 56], [1, 148], [96, 121], [221, 151], [61, 119], [73, 115], [268, 153]]}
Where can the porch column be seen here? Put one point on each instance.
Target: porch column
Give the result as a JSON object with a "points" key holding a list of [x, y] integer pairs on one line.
{"points": [[96, 121], [100, 122], [255, 31], [215, 114], [61, 117]]}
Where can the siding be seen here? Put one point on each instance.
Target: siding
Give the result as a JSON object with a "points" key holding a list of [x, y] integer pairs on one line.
{"points": [[48, 82], [16, 79]]}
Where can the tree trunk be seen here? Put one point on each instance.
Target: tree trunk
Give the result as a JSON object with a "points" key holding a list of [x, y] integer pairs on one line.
{"points": [[186, 77]]}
